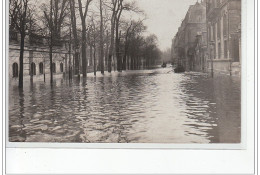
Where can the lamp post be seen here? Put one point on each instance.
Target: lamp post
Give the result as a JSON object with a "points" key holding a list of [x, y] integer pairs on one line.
{"points": [[212, 44]]}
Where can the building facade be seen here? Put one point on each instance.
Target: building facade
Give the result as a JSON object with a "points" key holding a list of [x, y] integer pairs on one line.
{"points": [[224, 36], [200, 55], [209, 38], [184, 42], [37, 57]]}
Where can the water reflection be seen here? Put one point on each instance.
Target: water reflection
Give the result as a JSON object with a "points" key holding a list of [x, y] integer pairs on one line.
{"points": [[150, 106]]}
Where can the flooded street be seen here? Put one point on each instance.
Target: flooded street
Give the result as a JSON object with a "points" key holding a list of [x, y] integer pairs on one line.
{"points": [[145, 106]]}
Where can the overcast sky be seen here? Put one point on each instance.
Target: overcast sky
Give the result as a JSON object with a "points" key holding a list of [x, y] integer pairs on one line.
{"points": [[164, 17]]}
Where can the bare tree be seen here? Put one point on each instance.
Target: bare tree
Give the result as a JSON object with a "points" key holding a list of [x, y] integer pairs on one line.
{"points": [[93, 35], [115, 11], [83, 16], [20, 14], [131, 29], [54, 17], [152, 52], [117, 19], [118, 6], [75, 35], [101, 37]]}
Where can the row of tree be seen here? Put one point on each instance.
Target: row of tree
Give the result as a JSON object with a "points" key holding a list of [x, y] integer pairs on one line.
{"points": [[113, 28]]}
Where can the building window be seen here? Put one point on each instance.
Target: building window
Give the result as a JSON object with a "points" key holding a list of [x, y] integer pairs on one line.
{"points": [[208, 34], [219, 50], [41, 68], [214, 33], [225, 25], [15, 70], [189, 36], [219, 28], [213, 4], [211, 33], [218, 3], [235, 49], [225, 49], [53, 67], [61, 67], [33, 68]]}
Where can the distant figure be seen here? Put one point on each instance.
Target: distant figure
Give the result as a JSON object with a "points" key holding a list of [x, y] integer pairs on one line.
{"points": [[164, 65]]}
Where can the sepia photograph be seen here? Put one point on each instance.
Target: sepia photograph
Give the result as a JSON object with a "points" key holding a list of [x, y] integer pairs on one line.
{"points": [[124, 71]]}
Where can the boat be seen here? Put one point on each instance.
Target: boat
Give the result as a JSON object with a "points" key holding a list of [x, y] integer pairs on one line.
{"points": [[179, 69]]}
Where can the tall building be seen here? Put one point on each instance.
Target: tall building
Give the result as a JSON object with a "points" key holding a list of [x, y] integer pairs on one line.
{"points": [[200, 55], [185, 39], [224, 38]]}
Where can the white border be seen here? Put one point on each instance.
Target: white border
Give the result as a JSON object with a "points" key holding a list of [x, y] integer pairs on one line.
{"points": [[242, 145], [78, 161]]}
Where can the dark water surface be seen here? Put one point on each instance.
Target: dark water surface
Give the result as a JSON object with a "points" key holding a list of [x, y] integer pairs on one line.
{"points": [[148, 106]]}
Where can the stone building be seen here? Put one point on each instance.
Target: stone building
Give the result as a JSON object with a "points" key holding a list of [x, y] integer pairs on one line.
{"points": [[184, 42], [36, 56], [200, 55], [223, 29]]}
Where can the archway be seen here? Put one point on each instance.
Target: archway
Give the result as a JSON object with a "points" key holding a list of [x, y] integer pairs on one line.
{"points": [[15, 70], [33, 68], [61, 67], [41, 68], [53, 67]]}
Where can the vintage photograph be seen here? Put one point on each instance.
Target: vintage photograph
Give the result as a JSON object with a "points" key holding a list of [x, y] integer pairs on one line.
{"points": [[124, 71]]}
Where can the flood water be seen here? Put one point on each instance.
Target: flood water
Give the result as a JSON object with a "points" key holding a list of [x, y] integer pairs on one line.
{"points": [[144, 106]]}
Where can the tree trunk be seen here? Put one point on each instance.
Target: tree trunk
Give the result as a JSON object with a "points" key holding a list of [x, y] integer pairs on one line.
{"points": [[101, 40], [75, 35], [51, 44], [125, 54], [117, 49], [118, 34], [107, 49], [124, 62], [51, 68], [95, 61], [91, 56], [84, 54], [128, 62], [111, 49], [132, 62], [21, 61]]}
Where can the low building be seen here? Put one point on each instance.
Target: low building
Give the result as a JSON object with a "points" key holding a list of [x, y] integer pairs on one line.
{"points": [[36, 60], [37, 57]]}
